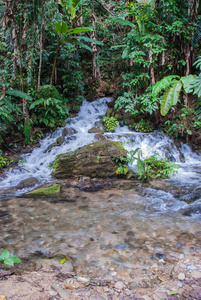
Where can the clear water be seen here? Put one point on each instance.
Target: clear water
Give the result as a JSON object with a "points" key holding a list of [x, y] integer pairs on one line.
{"points": [[113, 229]]}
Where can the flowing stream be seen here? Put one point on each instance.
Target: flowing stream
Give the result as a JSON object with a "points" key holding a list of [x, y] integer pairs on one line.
{"points": [[113, 229]]}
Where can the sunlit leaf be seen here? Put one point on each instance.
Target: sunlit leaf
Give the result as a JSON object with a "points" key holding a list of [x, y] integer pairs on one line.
{"points": [[5, 254], [163, 84], [170, 97], [187, 81]]}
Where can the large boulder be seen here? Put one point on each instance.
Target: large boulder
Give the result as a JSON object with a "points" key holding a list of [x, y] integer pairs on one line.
{"points": [[94, 160]]}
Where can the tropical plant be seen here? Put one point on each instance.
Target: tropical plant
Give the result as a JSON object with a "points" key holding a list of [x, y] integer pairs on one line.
{"points": [[7, 259], [171, 86], [50, 108], [159, 168]]}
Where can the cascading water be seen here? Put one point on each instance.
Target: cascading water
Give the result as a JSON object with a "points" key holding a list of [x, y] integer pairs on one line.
{"points": [[37, 163], [127, 227]]}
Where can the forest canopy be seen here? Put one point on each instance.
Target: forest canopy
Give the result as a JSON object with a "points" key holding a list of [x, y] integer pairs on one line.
{"points": [[144, 53]]}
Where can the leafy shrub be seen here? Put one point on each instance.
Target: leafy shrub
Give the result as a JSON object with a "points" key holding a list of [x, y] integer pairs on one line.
{"points": [[149, 168], [110, 124], [159, 168], [146, 103], [50, 108], [143, 126], [6, 259], [11, 116]]}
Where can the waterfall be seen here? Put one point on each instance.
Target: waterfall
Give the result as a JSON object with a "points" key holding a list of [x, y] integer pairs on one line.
{"points": [[37, 163]]}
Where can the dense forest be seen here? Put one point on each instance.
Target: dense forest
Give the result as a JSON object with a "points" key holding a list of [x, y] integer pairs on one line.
{"points": [[56, 53]]}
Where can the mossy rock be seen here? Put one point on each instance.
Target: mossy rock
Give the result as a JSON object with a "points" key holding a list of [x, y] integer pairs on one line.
{"points": [[93, 160], [109, 112], [47, 190]]}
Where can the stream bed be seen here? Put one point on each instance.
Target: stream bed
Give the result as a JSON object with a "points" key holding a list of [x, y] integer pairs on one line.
{"points": [[123, 230]]}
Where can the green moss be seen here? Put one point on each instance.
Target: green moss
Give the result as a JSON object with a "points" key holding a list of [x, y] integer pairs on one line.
{"points": [[56, 163], [48, 190]]}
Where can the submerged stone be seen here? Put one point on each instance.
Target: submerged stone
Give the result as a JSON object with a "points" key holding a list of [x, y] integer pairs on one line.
{"points": [[29, 182], [68, 131], [94, 160], [60, 140]]}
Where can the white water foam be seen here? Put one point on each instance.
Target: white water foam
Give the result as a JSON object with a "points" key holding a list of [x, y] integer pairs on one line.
{"points": [[36, 164]]}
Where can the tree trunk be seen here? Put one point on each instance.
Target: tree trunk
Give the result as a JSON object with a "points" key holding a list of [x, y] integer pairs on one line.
{"points": [[54, 65], [40, 59], [151, 67], [95, 68]]}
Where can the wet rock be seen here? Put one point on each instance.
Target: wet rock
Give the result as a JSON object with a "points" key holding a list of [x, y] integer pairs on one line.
{"points": [[55, 264], [119, 285], [131, 174], [50, 189], [60, 140], [100, 137], [94, 160], [181, 276], [29, 182], [49, 148], [192, 196], [196, 274], [68, 131], [95, 130], [52, 293], [99, 123], [72, 194], [83, 279], [109, 112], [130, 233], [118, 117]]}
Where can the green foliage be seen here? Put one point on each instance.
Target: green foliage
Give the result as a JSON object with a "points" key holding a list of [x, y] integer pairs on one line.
{"points": [[172, 89], [122, 162], [159, 168], [170, 97], [7, 259], [110, 124], [146, 103], [142, 126], [19, 94], [49, 108], [163, 84], [4, 162], [149, 168], [27, 132], [181, 125]]}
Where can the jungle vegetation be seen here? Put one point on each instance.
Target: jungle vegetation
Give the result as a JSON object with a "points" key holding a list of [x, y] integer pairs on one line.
{"points": [[55, 53]]}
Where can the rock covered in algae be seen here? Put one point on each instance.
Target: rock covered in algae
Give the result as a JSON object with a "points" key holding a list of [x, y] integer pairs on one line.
{"points": [[47, 190], [93, 160]]}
